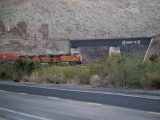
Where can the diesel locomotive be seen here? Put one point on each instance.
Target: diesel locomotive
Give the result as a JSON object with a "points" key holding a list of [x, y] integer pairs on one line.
{"points": [[71, 59]]}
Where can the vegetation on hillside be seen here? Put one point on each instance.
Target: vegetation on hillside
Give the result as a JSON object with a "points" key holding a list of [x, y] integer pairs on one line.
{"points": [[127, 72]]}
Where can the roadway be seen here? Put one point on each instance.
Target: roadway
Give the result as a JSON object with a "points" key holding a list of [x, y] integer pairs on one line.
{"points": [[36, 103]]}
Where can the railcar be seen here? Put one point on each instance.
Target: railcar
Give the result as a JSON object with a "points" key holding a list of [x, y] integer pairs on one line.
{"points": [[71, 59]]}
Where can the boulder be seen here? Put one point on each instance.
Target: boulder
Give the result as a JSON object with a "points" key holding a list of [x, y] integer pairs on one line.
{"points": [[21, 29], [4, 27], [44, 30], [38, 37]]}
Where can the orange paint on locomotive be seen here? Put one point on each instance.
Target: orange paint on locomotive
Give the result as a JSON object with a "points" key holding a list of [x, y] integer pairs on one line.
{"points": [[24, 59], [37, 59], [52, 58], [45, 59], [57, 58]]}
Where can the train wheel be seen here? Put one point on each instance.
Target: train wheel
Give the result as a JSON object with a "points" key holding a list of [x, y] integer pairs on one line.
{"points": [[72, 63]]}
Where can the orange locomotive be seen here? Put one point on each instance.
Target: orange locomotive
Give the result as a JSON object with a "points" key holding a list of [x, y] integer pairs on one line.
{"points": [[57, 59]]}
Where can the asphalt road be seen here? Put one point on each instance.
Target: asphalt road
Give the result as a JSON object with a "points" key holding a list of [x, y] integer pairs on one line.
{"points": [[33, 103]]}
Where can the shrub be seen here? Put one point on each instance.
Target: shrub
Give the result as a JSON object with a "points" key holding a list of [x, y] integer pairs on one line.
{"points": [[155, 42], [18, 69], [154, 58], [5, 72], [95, 81], [35, 77], [95, 68], [155, 80], [75, 80], [64, 74], [106, 80], [128, 72], [56, 79]]}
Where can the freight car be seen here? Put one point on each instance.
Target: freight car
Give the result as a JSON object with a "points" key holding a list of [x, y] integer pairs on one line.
{"points": [[71, 59], [8, 58]]}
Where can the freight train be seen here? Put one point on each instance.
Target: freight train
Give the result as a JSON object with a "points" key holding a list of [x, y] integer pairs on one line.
{"points": [[71, 59]]}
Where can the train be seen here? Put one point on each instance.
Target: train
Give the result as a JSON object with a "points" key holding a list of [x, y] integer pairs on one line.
{"points": [[70, 59]]}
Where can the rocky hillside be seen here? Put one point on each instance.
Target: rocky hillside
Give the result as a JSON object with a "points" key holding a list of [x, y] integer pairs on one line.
{"points": [[85, 18], [18, 40]]}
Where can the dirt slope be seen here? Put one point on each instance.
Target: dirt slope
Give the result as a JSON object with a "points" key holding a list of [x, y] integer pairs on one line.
{"points": [[155, 48], [85, 18]]}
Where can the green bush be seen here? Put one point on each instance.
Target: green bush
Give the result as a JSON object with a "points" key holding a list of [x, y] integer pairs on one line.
{"points": [[131, 72], [18, 69], [127, 72], [5, 72]]}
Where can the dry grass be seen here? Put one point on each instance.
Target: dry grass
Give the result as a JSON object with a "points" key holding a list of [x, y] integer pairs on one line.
{"points": [[101, 80], [45, 78], [61, 75], [95, 81], [34, 77], [75, 80]]}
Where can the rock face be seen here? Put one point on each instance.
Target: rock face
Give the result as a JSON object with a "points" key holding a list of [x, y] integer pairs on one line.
{"points": [[4, 27], [38, 36], [86, 18], [20, 30], [73, 19], [44, 30], [15, 41]]}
